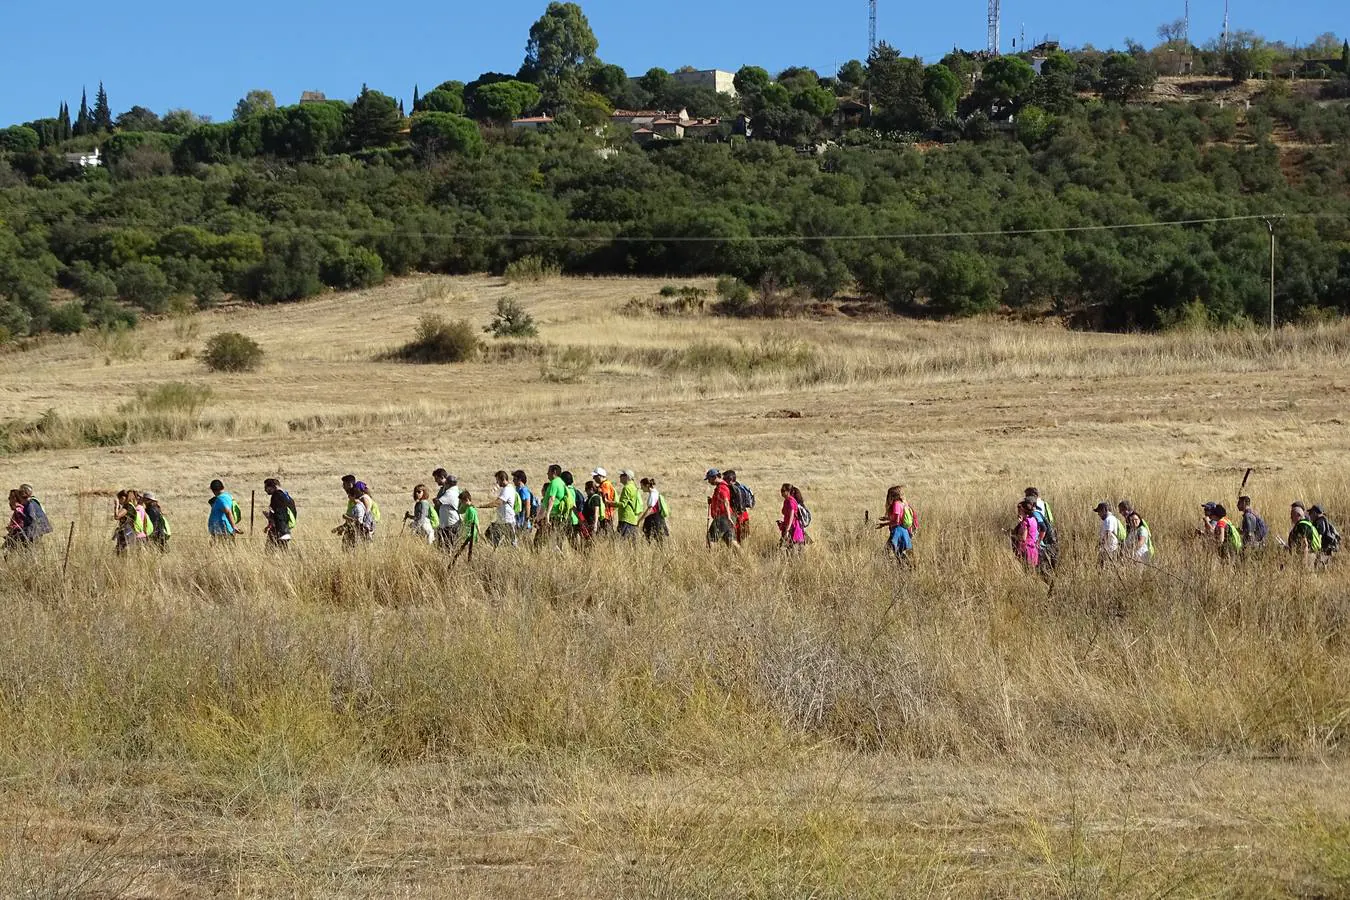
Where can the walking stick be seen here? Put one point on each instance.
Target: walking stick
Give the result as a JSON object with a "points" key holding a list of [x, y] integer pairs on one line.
{"points": [[252, 498], [65, 564]]}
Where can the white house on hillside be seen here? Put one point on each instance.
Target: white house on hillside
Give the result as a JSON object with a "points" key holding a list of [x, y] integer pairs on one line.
{"points": [[87, 159]]}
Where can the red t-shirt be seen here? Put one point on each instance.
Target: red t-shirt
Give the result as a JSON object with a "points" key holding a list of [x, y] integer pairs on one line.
{"points": [[719, 504]]}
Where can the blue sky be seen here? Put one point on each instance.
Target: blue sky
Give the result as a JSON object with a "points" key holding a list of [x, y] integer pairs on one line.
{"points": [[205, 56]]}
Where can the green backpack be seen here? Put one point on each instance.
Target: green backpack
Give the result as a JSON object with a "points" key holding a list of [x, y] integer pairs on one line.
{"points": [[434, 517]]}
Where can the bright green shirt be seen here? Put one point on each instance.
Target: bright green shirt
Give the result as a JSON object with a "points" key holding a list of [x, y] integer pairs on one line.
{"points": [[630, 505], [468, 519], [557, 492]]}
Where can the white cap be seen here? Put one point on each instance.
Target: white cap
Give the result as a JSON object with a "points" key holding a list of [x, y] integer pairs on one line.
{"points": [[600, 472]]}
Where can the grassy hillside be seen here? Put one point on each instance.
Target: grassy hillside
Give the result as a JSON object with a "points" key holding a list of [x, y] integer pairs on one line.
{"points": [[662, 722]]}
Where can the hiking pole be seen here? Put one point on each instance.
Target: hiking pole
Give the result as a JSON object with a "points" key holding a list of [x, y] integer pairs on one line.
{"points": [[70, 539], [252, 498], [1243, 486]]}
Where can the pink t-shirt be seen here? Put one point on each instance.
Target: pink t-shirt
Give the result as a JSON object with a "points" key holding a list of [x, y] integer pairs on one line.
{"points": [[798, 534], [1030, 547]]}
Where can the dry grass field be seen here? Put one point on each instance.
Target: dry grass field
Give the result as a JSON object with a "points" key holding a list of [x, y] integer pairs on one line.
{"points": [[664, 721]]}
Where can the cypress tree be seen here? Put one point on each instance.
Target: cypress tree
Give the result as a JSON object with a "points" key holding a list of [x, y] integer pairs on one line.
{"points": [[417, 99], [102, 112], [1345, 56], [63, 128], [400, 107], [82, 124]]}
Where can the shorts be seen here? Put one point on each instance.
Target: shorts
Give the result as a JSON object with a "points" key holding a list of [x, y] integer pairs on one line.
{"points": [[722, 529], [901, 540], [628, 530]]}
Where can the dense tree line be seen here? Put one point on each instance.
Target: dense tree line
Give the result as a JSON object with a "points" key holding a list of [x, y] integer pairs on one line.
{"points": [[283, 201]]}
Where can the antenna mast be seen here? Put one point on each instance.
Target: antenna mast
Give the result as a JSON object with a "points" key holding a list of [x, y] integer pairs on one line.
{"points": [[871, 27], [1225, 24], [1186, 34], [995, 17]]}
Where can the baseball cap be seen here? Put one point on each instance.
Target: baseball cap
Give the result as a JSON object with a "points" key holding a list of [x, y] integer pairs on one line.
{"points": [[149, 496], [1102, 507], [712, 473], [1208, 505], [1315, 511], [599, 472], [628, 473]]}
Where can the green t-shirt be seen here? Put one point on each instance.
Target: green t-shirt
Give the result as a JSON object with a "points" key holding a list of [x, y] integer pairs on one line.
{"points": [[558, 493], [630, 505], [468, 519]]}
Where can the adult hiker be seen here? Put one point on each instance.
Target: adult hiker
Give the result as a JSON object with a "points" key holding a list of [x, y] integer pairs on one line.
{"points": [[609, 496], [447, 509], [132, 528], [527, 505], [504, 501], [1110, 536], [721, 525], [792, 535], [1138, 545], [1026, 534], [630, 505], [1207, 519], [1253, 528], [468, 515], [358, 525], [160, 530], [901, 521], [1226, 535], [574, 503], [14, 528], [742, 501], [1331, 538], [655, 521], [420, 518], [1304, 538], [35, 524], [1038, 504], [551, 520], [366, 498], [593, 512], [281, 515], [222, 522]]}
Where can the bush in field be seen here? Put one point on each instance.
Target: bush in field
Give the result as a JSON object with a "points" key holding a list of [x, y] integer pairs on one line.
{"points": [[171, 397], [532, 268], [232, 352], [734, 296], [511, 320], [439, 341]]}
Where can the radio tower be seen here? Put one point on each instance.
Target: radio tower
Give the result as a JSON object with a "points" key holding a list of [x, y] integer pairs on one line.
{"points": [[995, 17], [1225, 24], [1186, 35], [871, 27]]}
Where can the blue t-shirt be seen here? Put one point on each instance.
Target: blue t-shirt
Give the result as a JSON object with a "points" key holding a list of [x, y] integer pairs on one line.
{"points": [[523, 517], [219, 520]]}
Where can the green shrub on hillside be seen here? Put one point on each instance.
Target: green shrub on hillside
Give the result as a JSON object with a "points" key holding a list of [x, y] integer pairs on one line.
{"points": [[232, 352]]}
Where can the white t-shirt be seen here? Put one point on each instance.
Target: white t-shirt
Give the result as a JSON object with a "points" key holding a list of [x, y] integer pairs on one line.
{"points": [[506, 511], [1110, 540], [653, 498], [447, 506]]}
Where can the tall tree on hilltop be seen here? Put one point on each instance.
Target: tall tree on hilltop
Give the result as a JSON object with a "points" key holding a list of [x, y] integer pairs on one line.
{"points": [[560, 50], [65, 131], [1345, 56], [102, 119], [373, 120], [83, 125], [417, 98]]}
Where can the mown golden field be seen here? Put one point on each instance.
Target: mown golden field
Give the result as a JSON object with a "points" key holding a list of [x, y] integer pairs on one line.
{"points": [[664, 721]]}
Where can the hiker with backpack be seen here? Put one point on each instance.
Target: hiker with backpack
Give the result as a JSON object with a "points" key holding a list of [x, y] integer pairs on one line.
{"points": [[655, 521], [504, 502], [160, 531], [1110, 536], [1331, 538], [551, 521], [1046, 531], [14, 529], [792, 533], [742, 501], [222, 522], [593, 512], [721, 524], [1138, 546], [1253, 529], [901, 521], [609, 497], [629, 506], [1225, 534], [447, 509], [422, 519], [574, 504], [280, 515], [1304, 538], [358, 525], [133, 527], [35, 525]]}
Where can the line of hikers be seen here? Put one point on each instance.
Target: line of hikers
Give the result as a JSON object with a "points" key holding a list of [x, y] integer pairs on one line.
{"points": [[561, 514], [1125, 535]]}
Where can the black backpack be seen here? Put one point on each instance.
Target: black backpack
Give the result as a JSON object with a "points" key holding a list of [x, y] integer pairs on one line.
{"points": [[1259, 529], [742, 498]]}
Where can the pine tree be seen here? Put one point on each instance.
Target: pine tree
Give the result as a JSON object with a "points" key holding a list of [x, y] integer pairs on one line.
{"points": [[82, 123], [1345, 57], [417, 99], [64, 131], [400, 107], [103, 120]]}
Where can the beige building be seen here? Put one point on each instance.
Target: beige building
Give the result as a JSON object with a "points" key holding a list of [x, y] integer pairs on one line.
{"points": [[713, 79]]}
